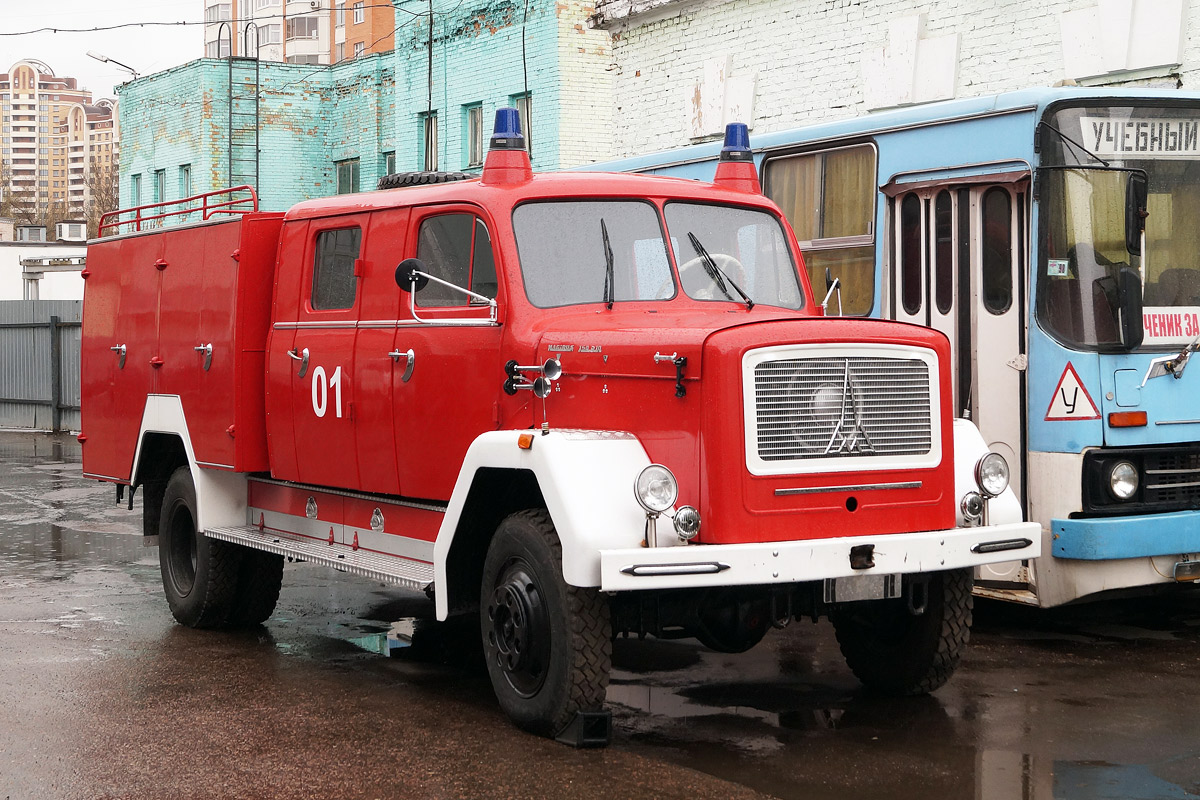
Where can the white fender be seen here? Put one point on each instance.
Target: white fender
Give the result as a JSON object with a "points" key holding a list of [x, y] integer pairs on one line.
{"points": [[220, 494], [586, 478], [969, 447]]}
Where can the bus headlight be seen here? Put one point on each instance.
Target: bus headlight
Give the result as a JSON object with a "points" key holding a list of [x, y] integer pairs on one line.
{"points": [[991, 474], [1123, 480], [656, 489]]}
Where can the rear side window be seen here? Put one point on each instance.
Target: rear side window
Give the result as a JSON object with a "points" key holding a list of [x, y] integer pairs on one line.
{"points": [[334, 284]]}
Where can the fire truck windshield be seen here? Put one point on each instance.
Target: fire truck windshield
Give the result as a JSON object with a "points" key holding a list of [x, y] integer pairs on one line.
{"points": [[565, 260], [1083, 237]]}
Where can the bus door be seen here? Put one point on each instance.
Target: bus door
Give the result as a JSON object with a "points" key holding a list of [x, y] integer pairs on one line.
{"points": [[958, 264]]}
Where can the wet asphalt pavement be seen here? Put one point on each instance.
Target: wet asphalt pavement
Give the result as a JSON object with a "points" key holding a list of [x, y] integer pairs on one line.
{"points": [[103, 695]]}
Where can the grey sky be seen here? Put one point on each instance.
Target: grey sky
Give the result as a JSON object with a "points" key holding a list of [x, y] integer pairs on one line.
{"points": [[146, 49]]}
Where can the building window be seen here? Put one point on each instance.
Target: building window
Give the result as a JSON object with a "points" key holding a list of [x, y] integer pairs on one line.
{"points": [[360, 13], [185, 180], [347, 176], [389, 162], [160, 185], [359, 48], [340, 17], [310, 58], [217, 49], [473, 128], [135, 190], [339, 51], [429, 141], [305, 27], [521, 103], [270, 34], [217, 13]]}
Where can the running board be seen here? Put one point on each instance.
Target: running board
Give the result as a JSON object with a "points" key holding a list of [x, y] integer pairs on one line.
{"points": [[376, 566]]}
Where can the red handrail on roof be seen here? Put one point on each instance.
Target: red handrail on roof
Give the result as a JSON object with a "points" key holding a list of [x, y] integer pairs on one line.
{"points": [[111, 222]]}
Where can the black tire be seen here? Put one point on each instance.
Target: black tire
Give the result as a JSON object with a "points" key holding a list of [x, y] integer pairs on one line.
{"points": [[199, 574], [896, 652], [260, 577], [399, 180], [548, 646]]}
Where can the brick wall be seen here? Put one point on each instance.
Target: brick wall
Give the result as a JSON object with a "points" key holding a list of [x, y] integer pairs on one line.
{"points": [[810, 62]]}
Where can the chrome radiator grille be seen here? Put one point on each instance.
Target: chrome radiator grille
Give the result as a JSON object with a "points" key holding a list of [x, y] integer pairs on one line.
{"points": [[842, 406]]}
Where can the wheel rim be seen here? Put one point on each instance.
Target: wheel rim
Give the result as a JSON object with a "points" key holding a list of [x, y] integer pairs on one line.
{"points": [[181, 544], [519, 636]]}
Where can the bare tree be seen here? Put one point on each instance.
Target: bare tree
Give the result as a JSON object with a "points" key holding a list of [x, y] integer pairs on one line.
{"points": [[17, 202], [103, 196]]}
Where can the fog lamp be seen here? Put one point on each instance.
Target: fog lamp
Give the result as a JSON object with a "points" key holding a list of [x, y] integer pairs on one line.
{"points": [[656, 489], [972, 507], [687, 523], [991, 473], [1123, 480]]}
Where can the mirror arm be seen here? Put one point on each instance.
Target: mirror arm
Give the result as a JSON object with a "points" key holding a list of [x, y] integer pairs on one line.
{"points": [[493, 309]]}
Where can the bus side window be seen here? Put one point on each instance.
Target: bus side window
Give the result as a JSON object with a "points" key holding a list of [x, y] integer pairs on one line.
{"points": [[829, 199], [997, 251], [910, 254]]}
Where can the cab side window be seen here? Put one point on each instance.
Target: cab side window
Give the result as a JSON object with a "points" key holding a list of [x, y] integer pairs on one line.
{"points": [[334, 284], [458, 249]]}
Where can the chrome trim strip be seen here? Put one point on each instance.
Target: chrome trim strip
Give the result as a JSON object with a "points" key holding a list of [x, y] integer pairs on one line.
{"points": [[865, 487], [373, 498], [1177, 421], [700, 568], [375, 323], [110, 478], [214, 464]]}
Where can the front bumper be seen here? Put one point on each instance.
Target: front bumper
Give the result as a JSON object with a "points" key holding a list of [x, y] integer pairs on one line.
{"points": [[1110, 538], [694, 566]]}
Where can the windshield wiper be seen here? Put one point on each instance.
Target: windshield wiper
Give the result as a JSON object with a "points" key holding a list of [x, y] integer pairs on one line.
{"points": [[609, 279], [1062, 136], [716, 274]]}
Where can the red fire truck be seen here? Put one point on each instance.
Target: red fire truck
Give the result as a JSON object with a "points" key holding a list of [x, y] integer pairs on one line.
{"points": [[572, 404]]}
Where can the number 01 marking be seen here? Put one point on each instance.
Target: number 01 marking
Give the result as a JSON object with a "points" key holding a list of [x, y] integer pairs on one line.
{"points": [[320, 391]]}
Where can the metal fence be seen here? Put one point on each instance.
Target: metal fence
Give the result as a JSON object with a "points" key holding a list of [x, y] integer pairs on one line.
{"points": [[39, 364]]}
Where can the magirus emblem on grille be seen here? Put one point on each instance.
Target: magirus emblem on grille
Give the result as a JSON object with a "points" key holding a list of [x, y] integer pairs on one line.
{"points": [[847, 435]]}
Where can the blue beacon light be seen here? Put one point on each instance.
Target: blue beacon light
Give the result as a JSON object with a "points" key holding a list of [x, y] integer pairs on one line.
{"points": [[737, 143], [506, 135]]}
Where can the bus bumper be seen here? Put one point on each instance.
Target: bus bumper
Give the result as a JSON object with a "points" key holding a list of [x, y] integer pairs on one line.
{"points": [[1126, 537], [761, 563]]}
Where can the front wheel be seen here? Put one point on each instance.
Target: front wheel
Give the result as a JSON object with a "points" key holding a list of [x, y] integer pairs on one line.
{"points": [[548, 646], [893, 650]]}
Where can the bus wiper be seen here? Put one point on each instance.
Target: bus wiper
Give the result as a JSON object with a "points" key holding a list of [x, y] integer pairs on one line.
{"points": [[1172, 365], [1073, 143], [716, 274], [609, 278]]}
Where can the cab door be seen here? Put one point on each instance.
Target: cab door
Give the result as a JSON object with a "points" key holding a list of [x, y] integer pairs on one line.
{"points": [[448, 388], [958, 266], [322, 356]]}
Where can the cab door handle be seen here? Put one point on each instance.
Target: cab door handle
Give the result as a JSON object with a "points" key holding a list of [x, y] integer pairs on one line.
{"points": [[410, 359], [302, 357], [119, 349]]}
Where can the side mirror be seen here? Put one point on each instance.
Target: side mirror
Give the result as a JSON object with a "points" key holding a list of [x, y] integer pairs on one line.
{"points": [[1135, 211], [409, 277], [828, 279], [1129, 305]]}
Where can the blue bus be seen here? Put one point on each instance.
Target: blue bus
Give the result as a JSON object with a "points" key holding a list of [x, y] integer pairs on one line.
{"points": [[1054, 236]]}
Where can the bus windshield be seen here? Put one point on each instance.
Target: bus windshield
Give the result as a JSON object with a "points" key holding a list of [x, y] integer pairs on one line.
{"points": [[1083, 246]]}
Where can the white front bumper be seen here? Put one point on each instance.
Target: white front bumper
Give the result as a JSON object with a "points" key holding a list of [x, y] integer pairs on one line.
{"points": [[810, 560]]}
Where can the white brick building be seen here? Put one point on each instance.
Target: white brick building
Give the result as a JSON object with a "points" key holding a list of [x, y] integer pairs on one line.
{"points": [[683, 68]]}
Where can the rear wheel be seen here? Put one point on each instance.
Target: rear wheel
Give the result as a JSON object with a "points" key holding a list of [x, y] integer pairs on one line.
{"points": [[892, 650], [199, 574], [260, 577], [548, 646]]}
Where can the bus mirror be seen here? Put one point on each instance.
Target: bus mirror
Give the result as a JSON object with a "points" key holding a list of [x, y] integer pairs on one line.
{"points": [[1129, 297], [1135, 211]]}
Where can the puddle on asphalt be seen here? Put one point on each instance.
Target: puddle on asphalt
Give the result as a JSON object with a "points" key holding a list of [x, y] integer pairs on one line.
{"points": [[398, 637]]}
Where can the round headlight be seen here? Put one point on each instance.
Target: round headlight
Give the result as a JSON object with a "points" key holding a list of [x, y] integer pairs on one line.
{"points": [[991, 473], [972, 506], [656, 488], [687, 523], [1123, 480]]}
